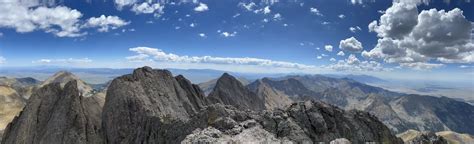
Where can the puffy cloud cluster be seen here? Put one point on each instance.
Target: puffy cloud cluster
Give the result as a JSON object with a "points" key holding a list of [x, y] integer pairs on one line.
{"points": [[148, 8], [63, 61], [352, 63], [146, 54], [351, 45], [415, 39], [315, 11], [121, 3], [201, 7], [341, 53], [61, 21], [27, 17], [104, 23], [328, 47], [229, 34]]}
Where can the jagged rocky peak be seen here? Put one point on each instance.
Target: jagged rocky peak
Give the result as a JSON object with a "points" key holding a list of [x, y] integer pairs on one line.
{"points": [[272, 97], [230, 91], [63, 77], [57, 114], [137, 104]]}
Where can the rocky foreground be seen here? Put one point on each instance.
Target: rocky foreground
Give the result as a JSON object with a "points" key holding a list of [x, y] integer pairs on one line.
{"points": [[153, 106]]}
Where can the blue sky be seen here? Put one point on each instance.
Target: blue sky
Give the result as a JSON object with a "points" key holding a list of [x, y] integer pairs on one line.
{"points": [[245, 36]]}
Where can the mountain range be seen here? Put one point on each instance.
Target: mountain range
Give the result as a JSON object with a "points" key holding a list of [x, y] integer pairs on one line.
{"points": [[154, 106]]}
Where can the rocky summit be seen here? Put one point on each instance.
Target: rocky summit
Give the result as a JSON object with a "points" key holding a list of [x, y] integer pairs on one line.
{"points": [[56, 114], [230, 91], [153, 106]]}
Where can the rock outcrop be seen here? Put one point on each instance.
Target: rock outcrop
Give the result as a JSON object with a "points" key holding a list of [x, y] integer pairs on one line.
{"points": [[456, 138], [230, 91], [425, 137], [139, 104], [56, 114]]}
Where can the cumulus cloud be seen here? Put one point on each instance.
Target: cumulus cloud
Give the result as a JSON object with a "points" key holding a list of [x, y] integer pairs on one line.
{"points": [[63, 61], [105, 23], [315, 11], [154, 54], [61, 21], [28, 17], [341, 53], [201, 7], [341, 16], [229, 34], [355, 29], [328, 47], [121, 3], [248, 6], [332, 59], [146, 8], [398, 21], [2, 60], [421, 65], [413, 39], [266, 10], [352, 63], [351, 45], [202, 35], [277, 17]]}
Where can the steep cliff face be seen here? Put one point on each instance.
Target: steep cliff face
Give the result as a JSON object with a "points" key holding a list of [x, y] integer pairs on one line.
{"points": [[138, 104], [230, 91], [11, 103], [56, 114]]}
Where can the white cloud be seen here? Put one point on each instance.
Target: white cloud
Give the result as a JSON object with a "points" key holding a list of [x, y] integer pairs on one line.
{"points": [[421, 65], [266, 10], [398, 20], [61, 21], [2, 60], [121, 3], [328, 47], [319, 57], [143, 53], [352, 63], [332, 59], [228, 34], [201, 7], [351, 45], [341, 16], [413, 39], [146, 8], [105, 23], [315, 11], [277, 17], [192, 25], [341, 53], [63, 61], [356, 2], [202, 35], [355, 29], [249, 6]]}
